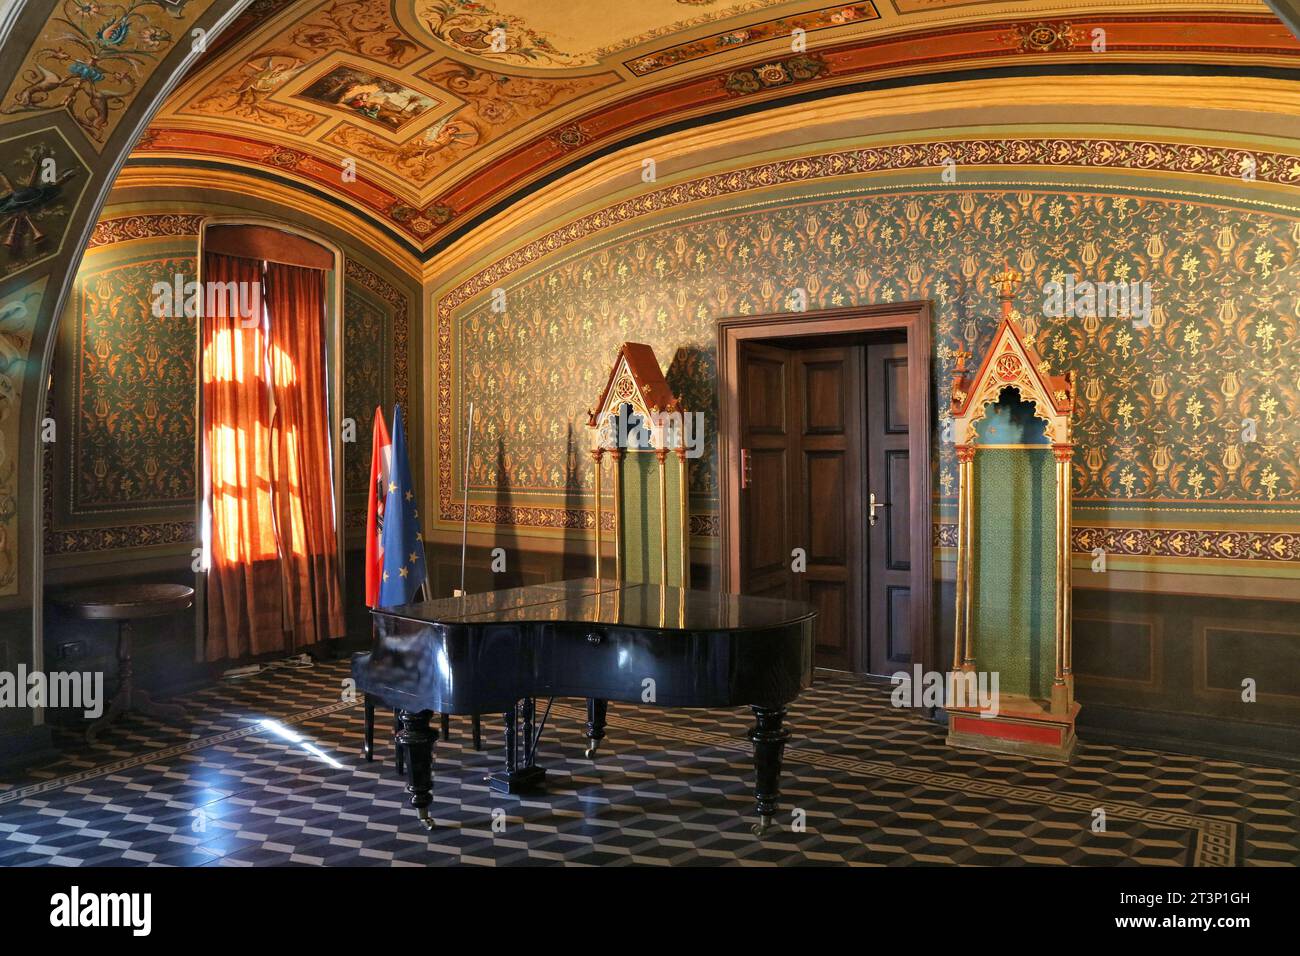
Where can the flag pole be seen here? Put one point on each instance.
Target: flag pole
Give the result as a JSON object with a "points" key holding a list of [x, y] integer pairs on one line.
{"points": [[464, 515]]}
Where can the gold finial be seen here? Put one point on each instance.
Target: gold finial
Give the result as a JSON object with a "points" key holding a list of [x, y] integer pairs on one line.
{"points": [[1006, 281]]}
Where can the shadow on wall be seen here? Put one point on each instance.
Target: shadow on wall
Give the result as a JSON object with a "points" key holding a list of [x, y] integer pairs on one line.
{"points": [[505, 561], [579, 546]]}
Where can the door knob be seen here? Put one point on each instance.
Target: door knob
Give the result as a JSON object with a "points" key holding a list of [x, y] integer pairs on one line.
{"points": [[872, 505]]}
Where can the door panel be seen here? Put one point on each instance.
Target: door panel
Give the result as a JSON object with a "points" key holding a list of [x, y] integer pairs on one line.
{"points": [[829, 489], [769, 495], [889, 645], [825, 507], [766, 454]]}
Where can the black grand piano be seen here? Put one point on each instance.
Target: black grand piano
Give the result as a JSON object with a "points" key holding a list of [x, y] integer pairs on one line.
{"points": [[502, 652]]}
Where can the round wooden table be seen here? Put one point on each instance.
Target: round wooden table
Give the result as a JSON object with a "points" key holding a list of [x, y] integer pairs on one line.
{"points": [[126, 603]]}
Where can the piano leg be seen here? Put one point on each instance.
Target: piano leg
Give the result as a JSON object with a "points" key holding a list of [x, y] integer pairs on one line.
{"points": [[478, 732], [368, 743], [446, 726], [596, 710], [416, 739], [397, 744], [769, 737]]}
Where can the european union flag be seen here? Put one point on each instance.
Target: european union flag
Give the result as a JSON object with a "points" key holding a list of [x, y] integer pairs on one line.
{"points": [[404, 569]]}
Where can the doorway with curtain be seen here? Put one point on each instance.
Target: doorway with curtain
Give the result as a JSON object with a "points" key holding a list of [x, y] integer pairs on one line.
{"points": [[269, 443]]}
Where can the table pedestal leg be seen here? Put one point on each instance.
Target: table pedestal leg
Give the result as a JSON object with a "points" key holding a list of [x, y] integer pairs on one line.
{"points": [[127, 697]]}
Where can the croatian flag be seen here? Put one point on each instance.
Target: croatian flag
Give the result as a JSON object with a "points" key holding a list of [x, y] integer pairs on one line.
{"points": [[403, 547], [381, 465]]}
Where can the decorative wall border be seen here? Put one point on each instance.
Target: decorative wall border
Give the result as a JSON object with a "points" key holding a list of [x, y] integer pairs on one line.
{"points": [[108, 232], [1181, 543]]}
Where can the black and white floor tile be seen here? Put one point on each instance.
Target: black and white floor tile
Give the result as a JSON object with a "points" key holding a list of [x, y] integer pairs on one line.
{"points": [[269, 771]]}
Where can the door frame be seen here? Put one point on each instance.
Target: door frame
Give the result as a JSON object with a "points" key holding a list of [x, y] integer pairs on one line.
{"points": [[913, 319]]}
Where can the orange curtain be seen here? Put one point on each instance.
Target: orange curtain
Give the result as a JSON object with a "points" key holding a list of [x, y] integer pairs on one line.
{"points": [[302, 467], [244, 610], [273, 579]]}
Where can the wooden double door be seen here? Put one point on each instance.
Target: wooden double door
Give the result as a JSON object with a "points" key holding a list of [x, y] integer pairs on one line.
{"points": [[825, 491]]}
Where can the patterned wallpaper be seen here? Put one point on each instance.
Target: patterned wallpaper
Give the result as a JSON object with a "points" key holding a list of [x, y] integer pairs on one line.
{"points": [[132, 438], [122, 473], [1160, 424]]}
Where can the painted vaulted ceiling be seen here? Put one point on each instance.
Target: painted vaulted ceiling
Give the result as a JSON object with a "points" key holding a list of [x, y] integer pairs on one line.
{"points": [[423, 114]]}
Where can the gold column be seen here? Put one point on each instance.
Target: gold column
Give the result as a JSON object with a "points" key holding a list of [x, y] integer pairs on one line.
{"points": [[965, 556], [662, 455], [684, 505], [596, 455], [617, 456], [959, 599], [1064, 453]]}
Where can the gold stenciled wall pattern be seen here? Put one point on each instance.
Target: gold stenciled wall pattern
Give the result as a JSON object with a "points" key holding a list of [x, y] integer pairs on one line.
{"points": [[1162, 408]]}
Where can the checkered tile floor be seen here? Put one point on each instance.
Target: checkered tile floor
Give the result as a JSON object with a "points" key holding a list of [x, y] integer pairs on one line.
{"points": [[269, 772]]}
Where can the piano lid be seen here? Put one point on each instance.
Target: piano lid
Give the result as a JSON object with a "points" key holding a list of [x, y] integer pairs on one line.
{"points": [[609, 603]]}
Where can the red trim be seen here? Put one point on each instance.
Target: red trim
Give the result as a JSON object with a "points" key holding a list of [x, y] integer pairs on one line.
{"points": [[1037, 733]]}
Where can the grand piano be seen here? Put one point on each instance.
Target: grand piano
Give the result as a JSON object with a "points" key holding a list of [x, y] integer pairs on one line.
{"points": [[504, 652]]}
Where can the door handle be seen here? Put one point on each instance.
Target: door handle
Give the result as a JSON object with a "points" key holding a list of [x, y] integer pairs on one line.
{"points": [[872, 505]]}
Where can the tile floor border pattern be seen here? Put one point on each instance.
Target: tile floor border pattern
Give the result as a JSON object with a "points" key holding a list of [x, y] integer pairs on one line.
{"points": [[1216, 838]]}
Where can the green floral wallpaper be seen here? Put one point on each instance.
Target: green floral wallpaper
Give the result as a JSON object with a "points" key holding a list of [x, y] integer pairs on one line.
{"points": [[365, 332], [1196, 411], [132, 440]]}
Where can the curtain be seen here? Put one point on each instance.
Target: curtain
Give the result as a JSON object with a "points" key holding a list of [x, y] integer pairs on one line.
{"points": [[302, 467], [273, 578], [243, 601]]}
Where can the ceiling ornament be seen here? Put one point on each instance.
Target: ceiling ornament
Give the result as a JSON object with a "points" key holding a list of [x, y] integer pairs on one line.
{"points": [[438, 134], [94, 58]]}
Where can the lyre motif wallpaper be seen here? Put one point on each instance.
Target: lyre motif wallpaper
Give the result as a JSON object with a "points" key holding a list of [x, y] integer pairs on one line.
{"points": [[1184, 414], [135, 422]]}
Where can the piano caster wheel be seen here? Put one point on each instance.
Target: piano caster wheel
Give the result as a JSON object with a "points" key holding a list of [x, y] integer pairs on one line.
{"points": [[426, 820], [762, 826], [590, 752]]}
